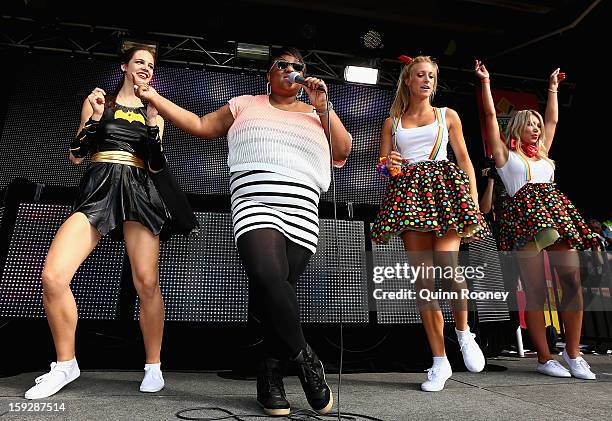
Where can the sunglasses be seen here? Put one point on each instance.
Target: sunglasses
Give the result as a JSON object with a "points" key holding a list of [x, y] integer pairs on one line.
{"points": [[282, 65]]}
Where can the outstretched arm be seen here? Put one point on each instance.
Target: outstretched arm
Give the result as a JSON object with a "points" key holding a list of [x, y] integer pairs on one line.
{"points": [[551, 116], [210, 126], [494, 140]]}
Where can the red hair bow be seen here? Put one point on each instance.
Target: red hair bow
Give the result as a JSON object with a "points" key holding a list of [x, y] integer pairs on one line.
{"points": [[405, 59]]}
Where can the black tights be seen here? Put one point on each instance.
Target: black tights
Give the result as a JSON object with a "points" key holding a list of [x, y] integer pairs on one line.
{"points": [[273, 265]]}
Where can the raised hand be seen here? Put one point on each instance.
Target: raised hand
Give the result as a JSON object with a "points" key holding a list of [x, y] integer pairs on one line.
{"points": [[555, 78], [481, 70], [97, 101]]}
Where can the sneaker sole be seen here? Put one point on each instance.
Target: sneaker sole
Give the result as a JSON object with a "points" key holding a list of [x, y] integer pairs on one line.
{"points": [[583, 377], [329, 405], [555, 375], [434, 390], [57, 389], [275, 412], [475, 370], [152, 391]]}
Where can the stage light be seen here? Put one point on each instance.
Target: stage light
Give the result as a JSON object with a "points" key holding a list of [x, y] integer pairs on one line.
{"points": [[252, 51], [367, 75], [372, 39]]}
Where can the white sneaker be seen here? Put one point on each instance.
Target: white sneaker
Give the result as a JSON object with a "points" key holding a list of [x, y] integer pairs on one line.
{"points": [[437, 377], [153, 380], [473, 357], [578, 367], [553, 368], [49, 384]]}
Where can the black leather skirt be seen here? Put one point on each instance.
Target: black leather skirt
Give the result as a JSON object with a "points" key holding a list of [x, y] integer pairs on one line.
{"points": [[110, 194]]}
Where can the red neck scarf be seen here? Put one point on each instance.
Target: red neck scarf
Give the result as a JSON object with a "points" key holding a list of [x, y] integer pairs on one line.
{"points": [[531, 150]]}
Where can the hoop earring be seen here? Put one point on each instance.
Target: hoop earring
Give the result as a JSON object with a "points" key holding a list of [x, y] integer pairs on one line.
{"points": [[268, 89], [300, 93]]}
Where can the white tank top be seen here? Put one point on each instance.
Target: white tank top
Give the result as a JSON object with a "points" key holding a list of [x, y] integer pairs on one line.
{"points": [[425, 143], [518, 171]]}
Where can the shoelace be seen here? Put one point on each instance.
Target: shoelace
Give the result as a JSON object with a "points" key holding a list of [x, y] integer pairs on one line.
{"points": [[431, 372], [45, 376], [311, 372], [466, 341], [274, 379], [582, 363], [276, 384], [556, 364]]}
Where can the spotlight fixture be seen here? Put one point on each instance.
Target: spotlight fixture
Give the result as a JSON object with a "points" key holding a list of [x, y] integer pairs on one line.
{"points": [[366, 75], [372, 39], [252, 51]]}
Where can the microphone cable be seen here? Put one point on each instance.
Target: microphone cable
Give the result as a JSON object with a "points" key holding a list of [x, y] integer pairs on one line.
{"points": [[336, 250], [299, 415]]}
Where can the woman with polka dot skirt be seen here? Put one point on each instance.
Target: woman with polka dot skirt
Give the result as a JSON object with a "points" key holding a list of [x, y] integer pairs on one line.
{"points": [[539, 217], [431, 204]]}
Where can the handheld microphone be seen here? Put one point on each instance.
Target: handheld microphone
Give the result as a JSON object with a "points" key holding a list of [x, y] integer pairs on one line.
{"points": [[295, 77]]}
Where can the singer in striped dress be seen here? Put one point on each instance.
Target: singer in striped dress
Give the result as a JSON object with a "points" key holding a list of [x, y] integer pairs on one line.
{"points": [[279, 160]]}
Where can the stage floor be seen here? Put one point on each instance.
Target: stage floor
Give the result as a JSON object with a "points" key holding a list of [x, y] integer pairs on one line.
{"points": [[515, 393]]}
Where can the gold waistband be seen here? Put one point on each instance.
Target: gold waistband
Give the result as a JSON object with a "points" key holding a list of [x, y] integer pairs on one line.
{"points": [[118, 157]]}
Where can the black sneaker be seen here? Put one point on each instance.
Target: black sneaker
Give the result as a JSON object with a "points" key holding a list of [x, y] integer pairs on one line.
{"points": [[312, 377], [270, 389]]}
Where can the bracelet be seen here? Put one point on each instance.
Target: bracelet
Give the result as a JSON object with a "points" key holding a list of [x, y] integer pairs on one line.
{"points": [[553, 91], [91, 123], [153, 132], [80, 145], [325, 112], [485, 80]]}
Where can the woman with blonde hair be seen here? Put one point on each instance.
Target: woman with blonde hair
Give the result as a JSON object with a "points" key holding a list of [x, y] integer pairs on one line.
{"points": [[431, 203], [539, 217]]}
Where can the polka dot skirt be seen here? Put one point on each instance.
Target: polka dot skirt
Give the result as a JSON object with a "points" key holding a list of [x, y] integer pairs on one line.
{"points": [[538, 206], [429, 196]]}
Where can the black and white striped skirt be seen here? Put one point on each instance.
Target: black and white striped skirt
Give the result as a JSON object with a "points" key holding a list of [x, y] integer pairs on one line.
{"points": [[262, 199]]}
